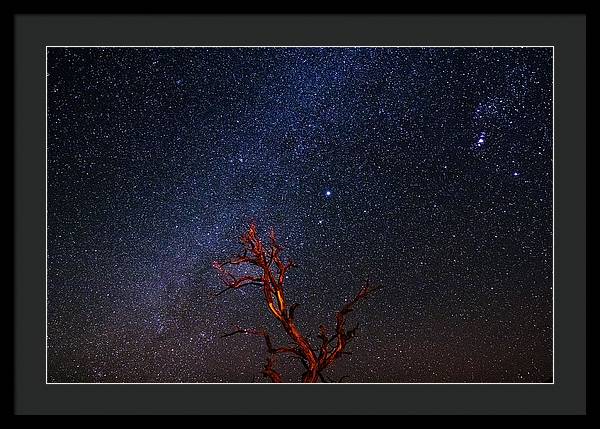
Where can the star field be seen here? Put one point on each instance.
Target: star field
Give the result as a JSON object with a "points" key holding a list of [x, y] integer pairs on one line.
{"points": [[429, 170]]}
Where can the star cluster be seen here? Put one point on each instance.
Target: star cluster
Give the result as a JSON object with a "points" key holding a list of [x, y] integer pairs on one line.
{"points": [[429, 170]]}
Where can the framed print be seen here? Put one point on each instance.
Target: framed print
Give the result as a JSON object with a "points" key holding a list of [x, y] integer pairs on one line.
{"points": [[384, 216]]}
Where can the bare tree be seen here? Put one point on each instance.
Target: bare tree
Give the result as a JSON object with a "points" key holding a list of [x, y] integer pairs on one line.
{"points": [[270, 274]]}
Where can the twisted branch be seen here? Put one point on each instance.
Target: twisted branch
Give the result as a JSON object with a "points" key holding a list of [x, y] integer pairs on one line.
{"points": [[273, 270]]}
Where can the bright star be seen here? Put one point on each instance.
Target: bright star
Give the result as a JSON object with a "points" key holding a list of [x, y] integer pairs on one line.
{"points": [[327, 193], [481, 139]]}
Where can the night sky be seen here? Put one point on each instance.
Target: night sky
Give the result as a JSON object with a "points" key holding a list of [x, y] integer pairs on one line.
{"points": [[427, 169]]}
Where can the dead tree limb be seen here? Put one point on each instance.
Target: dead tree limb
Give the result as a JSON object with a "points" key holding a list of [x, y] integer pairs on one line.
{"points": [[272, 270]]}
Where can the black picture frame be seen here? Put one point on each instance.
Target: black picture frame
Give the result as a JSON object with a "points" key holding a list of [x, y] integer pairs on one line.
{"points": [[567, 33]]}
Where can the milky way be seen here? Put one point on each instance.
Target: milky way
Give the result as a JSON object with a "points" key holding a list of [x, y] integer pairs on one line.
{"points": [[427, 170]]}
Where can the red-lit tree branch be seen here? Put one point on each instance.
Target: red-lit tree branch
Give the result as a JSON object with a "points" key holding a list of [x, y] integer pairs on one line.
{"points": [[272, 270]]}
